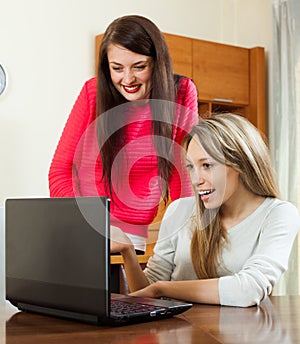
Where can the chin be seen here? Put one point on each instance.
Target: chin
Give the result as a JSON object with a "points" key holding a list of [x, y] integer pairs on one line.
{"points": [[132, 98], [211, 206]]}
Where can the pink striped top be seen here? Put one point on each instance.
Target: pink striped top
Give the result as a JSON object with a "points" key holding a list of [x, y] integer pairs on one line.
{"points": [[76, 168]]}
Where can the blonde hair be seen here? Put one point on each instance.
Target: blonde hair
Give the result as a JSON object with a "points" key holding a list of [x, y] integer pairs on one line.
{"points": [[233, 141]]}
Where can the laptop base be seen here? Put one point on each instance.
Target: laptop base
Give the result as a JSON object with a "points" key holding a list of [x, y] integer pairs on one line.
{"points": [[86, 318]]}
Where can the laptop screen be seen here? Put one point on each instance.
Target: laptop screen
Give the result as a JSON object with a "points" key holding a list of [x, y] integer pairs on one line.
{"points": [[57, 253]]}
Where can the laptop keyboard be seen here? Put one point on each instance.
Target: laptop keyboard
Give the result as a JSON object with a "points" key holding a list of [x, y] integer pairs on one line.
{"points": [[123, 307]]}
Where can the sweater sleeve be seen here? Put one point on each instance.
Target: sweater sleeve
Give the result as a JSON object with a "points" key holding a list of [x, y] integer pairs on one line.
{"points": [[171, 259], [62, 173], [255, 281], [187, 117], [160, 266]]}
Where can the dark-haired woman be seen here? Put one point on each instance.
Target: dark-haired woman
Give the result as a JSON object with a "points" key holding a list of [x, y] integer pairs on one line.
{"points": [[123, 136]]}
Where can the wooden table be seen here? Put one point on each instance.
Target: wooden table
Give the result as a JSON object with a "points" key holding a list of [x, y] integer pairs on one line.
{"points": [[277, 320]]}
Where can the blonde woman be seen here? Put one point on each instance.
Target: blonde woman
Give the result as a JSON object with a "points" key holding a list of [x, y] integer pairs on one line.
{"points": [[230, 243]]}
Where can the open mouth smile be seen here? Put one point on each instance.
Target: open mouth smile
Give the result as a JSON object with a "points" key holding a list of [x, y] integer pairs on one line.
{"points": [[205, 192], [132, 89]]}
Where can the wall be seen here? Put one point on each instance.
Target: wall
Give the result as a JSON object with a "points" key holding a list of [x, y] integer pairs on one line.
{"points": [[47, 48]]}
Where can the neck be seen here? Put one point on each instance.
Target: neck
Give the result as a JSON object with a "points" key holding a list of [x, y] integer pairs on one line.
{"points": [[236, 209]]}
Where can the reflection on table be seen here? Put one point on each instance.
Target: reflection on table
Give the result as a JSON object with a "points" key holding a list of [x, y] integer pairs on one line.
{"points": [[276, 320]]}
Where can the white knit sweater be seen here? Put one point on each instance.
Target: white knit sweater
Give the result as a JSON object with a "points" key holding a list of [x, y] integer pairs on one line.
{"points": [[256, 255]]}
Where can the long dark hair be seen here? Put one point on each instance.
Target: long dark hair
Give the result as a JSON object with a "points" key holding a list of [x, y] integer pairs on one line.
{"points": [[140, 35]]}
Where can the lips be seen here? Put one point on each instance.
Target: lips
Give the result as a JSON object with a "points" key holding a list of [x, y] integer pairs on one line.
{"points": [[205, 194], [132, 89]]}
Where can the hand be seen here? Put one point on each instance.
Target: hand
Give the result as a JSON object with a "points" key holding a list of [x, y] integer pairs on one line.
{"points": [[119, 241], [151, 290]]}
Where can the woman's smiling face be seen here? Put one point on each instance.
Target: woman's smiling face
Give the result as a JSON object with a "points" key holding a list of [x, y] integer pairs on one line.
{"points": [[131, 73], [216, 183]]}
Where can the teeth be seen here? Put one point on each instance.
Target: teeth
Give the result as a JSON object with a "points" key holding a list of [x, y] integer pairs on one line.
{"points": [[131, 87], [205, 192]]}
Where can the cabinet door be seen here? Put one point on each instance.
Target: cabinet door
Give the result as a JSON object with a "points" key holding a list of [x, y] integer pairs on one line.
{"points": [[221, 72], [181, 53]]}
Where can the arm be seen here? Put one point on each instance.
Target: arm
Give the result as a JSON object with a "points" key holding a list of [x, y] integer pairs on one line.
{"points": [[187, 95], [161, 265], [62, 165], [268, 259], [186, 117], [119, 242], [170, 270], [198, 291], [161, 268], [258, 274]]}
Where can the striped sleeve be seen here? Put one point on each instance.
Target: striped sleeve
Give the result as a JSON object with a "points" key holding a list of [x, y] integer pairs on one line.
{"points": [[62, 165], [187, 116]]}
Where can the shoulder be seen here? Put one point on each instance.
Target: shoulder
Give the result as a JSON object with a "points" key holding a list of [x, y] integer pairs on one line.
{"points": [[181, 208], [282, 212], [184, 201], [87, 96], [186, 93], [90, 86], [83, 110], [184, 84], [279, 206], [91, 83], [178, 216]]}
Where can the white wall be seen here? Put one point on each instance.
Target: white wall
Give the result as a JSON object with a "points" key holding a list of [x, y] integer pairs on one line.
{"points": [[47, 48]]}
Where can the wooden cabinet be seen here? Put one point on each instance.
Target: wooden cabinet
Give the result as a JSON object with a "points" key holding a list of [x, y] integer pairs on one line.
{"points": [[181, 49], [221, 72], [228, 78]]}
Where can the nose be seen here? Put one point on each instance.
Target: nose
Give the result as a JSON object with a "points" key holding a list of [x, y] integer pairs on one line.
{"points": [[129, 77], [196, 178]]}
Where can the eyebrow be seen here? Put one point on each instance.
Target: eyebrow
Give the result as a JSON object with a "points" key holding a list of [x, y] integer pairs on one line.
{"points": [[199, 160], [136, 63]]}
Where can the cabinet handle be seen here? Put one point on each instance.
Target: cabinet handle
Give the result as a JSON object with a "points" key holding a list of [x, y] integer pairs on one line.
{"points": [[222, 100]]}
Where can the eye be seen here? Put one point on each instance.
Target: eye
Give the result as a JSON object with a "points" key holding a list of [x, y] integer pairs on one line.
{"points": [[189, 166], [140, 68], [207, 165], [116, 69]]}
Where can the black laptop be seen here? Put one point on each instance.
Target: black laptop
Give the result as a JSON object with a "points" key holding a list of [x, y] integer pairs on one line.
{"points": [[58, 263]]}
